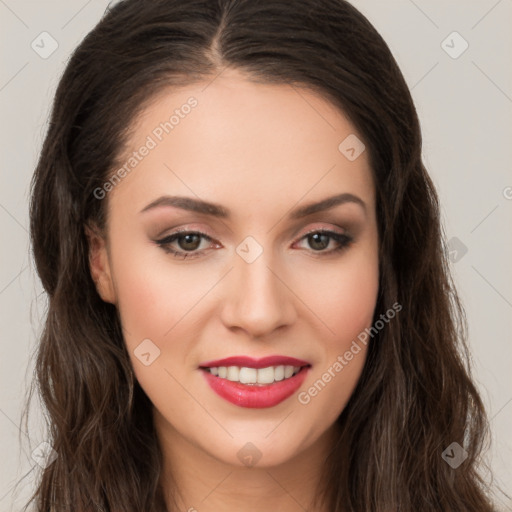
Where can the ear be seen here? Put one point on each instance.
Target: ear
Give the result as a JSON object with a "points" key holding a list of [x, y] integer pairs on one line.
{"points": [[99, 264]]}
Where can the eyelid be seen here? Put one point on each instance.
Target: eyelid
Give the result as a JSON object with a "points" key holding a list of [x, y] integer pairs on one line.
{"points": [[318, 227], [188, 228]]}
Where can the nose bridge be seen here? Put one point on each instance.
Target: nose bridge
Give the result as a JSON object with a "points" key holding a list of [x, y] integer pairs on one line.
{"points": [[258, 301]]}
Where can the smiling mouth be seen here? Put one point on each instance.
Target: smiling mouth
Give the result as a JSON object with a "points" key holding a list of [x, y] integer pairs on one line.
{"points": [[254, 376], [246, 386]]}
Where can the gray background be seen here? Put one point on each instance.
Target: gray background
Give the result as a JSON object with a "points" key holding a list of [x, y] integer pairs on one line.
{"points": [[464, 101]]}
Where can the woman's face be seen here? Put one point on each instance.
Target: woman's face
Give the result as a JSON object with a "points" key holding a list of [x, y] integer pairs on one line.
{"points": [[260, 280]]}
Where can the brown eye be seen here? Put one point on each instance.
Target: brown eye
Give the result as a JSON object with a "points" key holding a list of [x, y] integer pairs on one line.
{"points": [[186, 243], [189, 242], [319, 240]]}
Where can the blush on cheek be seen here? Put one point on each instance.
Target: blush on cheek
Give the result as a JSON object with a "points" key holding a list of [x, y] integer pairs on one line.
{"points": [[144, 312], [150, 295], [348, 311]]}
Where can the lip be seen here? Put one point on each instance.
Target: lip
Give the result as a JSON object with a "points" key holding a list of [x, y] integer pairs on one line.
{"points": [[255, 396], [249, 362]]}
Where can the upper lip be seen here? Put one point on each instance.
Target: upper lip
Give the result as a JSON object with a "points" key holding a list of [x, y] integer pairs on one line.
{"points": [[249, 362]]}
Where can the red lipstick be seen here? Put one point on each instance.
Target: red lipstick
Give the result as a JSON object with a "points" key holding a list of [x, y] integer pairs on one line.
{"points": [[255, 395]]}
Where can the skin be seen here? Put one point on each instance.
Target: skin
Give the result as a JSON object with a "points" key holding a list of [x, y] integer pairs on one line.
{"points": [[260, 151]]}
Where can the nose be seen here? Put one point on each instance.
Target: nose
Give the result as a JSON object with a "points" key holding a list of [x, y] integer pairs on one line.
{"points": [[258, 300]]}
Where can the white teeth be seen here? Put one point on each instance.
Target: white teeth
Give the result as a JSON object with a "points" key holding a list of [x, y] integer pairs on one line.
{"points": [[266, 375], [279, 373], [288, 372], [233, 372], [247, 375]]}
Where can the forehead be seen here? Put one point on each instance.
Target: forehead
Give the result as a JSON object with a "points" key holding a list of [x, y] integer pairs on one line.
{"points": [[241, 143]]}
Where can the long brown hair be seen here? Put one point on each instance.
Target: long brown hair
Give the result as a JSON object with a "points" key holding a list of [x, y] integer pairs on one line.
{"points": [[415, 396]]}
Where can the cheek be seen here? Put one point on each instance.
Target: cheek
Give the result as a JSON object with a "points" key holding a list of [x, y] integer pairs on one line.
{"points": [[333, 380], [153, 292], [351, 303], [147, 305], [156, 305], [344, 299], [156, 302], [343, 295]]}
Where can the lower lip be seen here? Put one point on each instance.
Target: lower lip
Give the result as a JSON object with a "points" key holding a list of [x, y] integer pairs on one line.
{"points": [[256, 396]]}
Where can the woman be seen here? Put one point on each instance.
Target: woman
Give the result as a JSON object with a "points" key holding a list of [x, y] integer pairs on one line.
{"points": [[249, 300]]}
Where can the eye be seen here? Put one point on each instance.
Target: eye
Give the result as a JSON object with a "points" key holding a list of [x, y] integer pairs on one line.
{"points": [[188, 242], [319, 240]]}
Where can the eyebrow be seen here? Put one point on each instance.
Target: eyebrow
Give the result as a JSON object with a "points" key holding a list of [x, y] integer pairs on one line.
{"points": [[216, 210]]}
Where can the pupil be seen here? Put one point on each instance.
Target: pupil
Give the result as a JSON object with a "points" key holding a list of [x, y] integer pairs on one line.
{"points": [[316, 237], [189, 239]]}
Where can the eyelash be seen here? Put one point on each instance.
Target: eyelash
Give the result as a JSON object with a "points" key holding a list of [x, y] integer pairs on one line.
{"points": [[344, 240]]}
